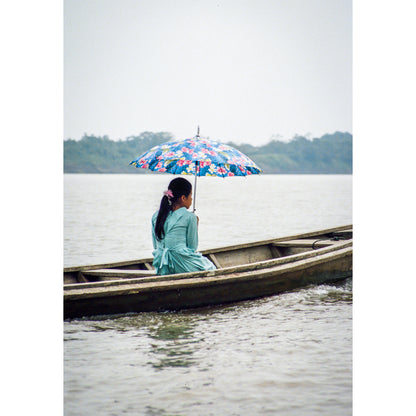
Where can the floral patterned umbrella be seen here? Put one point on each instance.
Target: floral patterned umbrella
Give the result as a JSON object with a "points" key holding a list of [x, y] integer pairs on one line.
{"points": [[197, 156]]}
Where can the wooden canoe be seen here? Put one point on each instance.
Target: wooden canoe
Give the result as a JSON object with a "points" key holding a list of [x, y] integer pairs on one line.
{"points": [[245, 271]]}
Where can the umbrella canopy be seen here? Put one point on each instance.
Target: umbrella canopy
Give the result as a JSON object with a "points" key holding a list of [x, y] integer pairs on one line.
{"points": [[197, 156]]}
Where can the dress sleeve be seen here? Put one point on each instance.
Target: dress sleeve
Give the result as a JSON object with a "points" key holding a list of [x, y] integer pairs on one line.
{"points": [[192, 233], [153, 232]]}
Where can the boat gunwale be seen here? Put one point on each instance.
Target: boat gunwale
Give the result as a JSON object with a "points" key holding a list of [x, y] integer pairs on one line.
{"points": [[210, 251]]}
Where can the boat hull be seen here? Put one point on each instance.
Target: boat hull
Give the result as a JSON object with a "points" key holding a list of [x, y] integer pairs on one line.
{"points": [[210, 288]]}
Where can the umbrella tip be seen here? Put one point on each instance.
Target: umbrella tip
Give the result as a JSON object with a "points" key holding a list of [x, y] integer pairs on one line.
{"points": [[197, 133]]}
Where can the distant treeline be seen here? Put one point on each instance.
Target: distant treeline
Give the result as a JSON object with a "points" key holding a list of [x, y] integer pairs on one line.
{"points": [[329, 154]]}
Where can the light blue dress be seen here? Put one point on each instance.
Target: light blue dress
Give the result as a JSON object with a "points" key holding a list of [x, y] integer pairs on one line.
{"points": [[176, 252]]}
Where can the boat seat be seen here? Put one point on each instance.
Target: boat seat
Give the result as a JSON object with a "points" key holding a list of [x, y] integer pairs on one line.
{"points": [[110, 274]]}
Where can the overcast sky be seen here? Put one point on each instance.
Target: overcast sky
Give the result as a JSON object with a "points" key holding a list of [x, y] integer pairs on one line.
{"points": [[243, 70]]}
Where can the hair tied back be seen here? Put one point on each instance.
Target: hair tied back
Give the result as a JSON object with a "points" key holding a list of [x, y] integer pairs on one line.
{"points": [[169, 194]]}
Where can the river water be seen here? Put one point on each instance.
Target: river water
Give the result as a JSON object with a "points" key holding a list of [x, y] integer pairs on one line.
{"points": [[289, 354]]}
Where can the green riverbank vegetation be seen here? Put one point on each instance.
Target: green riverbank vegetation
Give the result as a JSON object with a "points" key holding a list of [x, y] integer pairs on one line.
{"points": [[329, 154]]}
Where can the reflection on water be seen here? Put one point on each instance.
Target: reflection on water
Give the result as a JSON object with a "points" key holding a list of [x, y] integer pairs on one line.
{"points": [[173, 341]]}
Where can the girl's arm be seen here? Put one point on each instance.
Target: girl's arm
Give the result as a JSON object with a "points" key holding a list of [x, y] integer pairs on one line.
{"points": [[153, 234], [192, 233]]}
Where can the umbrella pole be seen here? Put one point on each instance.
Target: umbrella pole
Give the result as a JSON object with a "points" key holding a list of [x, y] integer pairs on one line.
{"points": [[196, 172]]}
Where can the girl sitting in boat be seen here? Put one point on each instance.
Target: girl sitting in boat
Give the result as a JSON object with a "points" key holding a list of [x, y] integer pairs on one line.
{"points": [[175, 232]]}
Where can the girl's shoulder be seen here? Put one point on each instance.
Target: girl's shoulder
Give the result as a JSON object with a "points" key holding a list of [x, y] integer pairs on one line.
{"points": [[191, 218], [183, 215], [187, 214]]}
